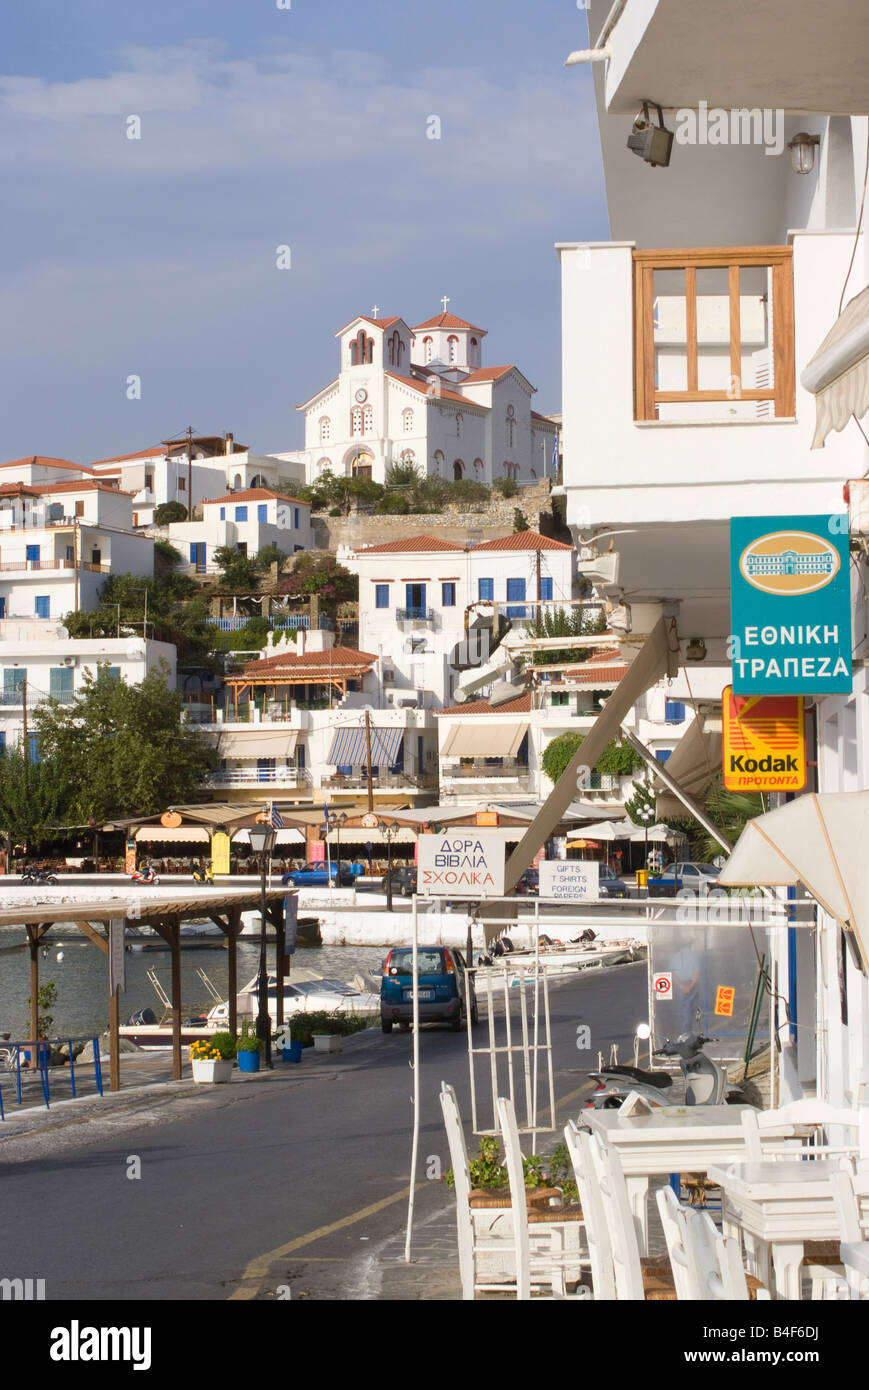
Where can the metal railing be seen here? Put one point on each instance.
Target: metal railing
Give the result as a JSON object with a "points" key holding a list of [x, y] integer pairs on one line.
{"points": [[257, 776], [291, 624], [414, 615]]}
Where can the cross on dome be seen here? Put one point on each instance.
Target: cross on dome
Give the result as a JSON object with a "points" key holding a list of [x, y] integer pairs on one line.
{"points": [[445, 301]]}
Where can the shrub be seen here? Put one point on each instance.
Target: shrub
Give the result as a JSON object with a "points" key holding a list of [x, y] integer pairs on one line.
{"points": [[303, 1026], [507, 487], [168, 512]]}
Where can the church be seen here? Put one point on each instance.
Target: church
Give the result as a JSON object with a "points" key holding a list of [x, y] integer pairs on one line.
{"points": [[420, 394]]}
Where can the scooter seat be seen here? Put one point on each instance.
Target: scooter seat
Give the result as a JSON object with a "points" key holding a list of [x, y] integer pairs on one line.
{"points": [[661, 1079]]}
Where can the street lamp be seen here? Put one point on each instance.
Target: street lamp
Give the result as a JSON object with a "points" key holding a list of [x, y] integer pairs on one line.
{"points": [[390, 830], [645, 815], [262, 842]]}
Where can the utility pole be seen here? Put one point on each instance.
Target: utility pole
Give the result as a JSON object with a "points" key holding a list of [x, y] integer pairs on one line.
{"points": [[189, 472], [368, 759], [26, 741], [75, 549]]}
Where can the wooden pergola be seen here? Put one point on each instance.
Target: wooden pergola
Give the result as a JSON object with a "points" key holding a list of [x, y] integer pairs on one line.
{"points": [[332, 670], [165, 910]]}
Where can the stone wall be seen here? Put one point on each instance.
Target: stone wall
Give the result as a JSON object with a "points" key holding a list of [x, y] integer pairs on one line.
{"points": [[453, 524]]}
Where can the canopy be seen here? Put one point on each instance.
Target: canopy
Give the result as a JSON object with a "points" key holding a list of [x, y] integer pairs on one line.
{"points": [[474, 739], [605, 830], [819, 840], [838, 374], [258, 743], [350, 746], [656, 834], [694, 762], [286, 836], [180, 834]]}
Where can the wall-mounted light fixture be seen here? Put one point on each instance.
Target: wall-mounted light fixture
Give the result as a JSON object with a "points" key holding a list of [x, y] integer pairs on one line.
{"points": [[696, 649], [802, 149], [653, 143]]}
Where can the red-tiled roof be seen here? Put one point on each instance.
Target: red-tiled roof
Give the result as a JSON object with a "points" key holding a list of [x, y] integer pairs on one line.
{"points": [[410, 545], [443, 394], [155, 452], [85, 485], [366, 318], [545, 419], [335, 660], [487, 374], [521, 705], [447, 321], [253, 494], [19, 490], [45, 462], [523, 540]]}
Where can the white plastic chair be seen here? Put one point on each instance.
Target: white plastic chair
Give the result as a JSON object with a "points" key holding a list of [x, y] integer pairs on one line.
{"points": [[762, 1145], [851, 1195], [635, 1279], [672, 1220], [471, 1246], [707, 1266], [597, 1237]]}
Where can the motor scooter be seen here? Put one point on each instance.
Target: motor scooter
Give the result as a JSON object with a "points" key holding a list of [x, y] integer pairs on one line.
{"points": [[145, 875], [704, 1081], [203, 875]]}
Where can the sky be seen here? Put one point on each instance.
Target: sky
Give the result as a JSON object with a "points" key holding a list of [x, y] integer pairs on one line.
{"points": [[305, 127]]}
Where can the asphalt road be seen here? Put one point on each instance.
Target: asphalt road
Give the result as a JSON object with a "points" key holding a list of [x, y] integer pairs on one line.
{"points": [[244, 1171]]}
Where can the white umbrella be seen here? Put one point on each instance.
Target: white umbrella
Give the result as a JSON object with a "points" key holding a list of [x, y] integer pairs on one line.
{"points": [[818, 840], [656, 834]]}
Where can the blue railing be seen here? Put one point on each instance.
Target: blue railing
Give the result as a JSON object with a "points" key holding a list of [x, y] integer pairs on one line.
{"points": [[14, 1054], [278, 624], [420, 615]]}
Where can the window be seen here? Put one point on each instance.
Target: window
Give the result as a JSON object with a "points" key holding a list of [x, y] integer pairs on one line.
{"points": [[439, 462], [79, 508], [33, 747], [407, 420], [14, 678], [560, 698], [182, 484], [516, 595], [325, 429], [361, 350], [459, 420], [546, 587], [396, 348], [458, 471], [368, 420], [262, 511], [414, 598], [355, 421], [448, 595], [486, 589], [149, 480], [43, 606], [663, 755], [453, 345], [223, 514], [428, 348], [674, 712], [60, 680], [297, 518], [197, 556], [510, 425], [113, 672], [32, 554], [300, 757], [241, 513], [381, 596], [2, 742], [241, 547]]}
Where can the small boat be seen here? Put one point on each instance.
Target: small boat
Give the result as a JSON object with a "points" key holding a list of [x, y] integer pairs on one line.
{"points": [[557, 958], [194, 936]]}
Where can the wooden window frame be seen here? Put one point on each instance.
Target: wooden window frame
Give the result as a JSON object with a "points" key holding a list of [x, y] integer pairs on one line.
{"points": [[780, 259]]}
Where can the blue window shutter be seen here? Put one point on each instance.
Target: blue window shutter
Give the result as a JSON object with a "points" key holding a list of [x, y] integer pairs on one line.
{"points": [[295, 518], [32, 554], [546, 588], [448, 595], [241, 513], [43, 606], [2, 742], [262, 511], [33, 747], [674, 712], [381, 595], [194, 546], [515, 590], [223, 514], [663, 755], [485, 588]]}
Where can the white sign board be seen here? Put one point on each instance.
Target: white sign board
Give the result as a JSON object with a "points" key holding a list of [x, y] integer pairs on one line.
{"points": [[291, 923], [117, 958], [569, 880], [662, 986], [461, 863]]}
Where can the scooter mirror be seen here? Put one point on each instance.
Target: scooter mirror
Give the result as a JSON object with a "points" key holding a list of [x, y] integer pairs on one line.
{"points": [[643, 1031]]}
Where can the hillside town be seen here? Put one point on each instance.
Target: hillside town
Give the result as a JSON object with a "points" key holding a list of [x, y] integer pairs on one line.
{"points": [[477, 791]]}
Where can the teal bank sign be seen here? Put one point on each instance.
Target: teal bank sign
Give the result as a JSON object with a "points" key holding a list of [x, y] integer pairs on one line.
{"points": [[790, 605]]}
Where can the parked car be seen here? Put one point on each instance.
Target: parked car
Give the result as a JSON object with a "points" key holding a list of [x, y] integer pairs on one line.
{"points": [[691, 874], [529, 882], [609, 883], [442, 997], [320, 876], [403, 878]]}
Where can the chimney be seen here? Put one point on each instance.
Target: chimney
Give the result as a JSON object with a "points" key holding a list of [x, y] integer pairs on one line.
{"points": [[229, 443], [300, 642]]}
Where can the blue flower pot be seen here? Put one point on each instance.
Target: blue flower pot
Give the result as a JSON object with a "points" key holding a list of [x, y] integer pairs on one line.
{"points": [[248, 1061], [292, 1052]]}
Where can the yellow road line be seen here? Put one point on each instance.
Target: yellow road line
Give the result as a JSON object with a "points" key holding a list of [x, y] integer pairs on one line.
{"points": [[256, 1271]]}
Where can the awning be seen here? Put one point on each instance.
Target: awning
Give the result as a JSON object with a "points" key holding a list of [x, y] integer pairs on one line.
{"points": [[258, 743], [818, 840], [838, 374], [282, 837], [476, 739], [350, 747], [694, 764], [179, 835], [659, 656]]}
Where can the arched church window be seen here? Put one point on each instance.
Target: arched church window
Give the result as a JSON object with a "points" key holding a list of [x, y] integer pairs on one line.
{"points": [[453, 346], [325, 429], [407, 420], [355, 421], [368, 420]]}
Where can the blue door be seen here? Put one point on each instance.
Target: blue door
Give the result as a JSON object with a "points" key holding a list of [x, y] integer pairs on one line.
{"points": [[33, 555], [415, 600], [265, 769]]}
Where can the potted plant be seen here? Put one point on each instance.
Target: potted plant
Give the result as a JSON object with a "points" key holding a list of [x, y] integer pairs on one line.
{"points": [[212, 1058], [248, 1048]]}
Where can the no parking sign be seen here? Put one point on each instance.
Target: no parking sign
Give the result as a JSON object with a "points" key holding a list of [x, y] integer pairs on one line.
{"points": [[662, 985]]}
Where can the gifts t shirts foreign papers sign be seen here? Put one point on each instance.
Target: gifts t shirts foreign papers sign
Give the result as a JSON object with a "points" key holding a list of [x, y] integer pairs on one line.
{"points": [[790, 598]]}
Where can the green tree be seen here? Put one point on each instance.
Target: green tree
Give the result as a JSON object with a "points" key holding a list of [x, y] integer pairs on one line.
{"points": [[238, 571], [508, 487], [34, 797], [562, 622], [336, 490], [642, 800], [123, 749], [403, 473], [318, 572], [558, 753], [520, 521], [167, 512], [617, 759]]}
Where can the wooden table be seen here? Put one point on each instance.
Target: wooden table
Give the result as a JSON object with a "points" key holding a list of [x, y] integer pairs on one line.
{"points": [[777, 1206], [674, 1139]]}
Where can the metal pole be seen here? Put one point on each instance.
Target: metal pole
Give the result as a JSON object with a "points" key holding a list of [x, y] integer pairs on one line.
{"points": [[263, 1022], [415, 1065], [368, 760]]}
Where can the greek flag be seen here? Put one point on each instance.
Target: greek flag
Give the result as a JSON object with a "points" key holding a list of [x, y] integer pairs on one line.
{"points": [[276, 820], [555, 453]]}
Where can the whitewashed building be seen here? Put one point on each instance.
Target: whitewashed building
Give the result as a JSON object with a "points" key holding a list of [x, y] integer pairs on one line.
{"points": [[422, 395], [686, 338], [248, 520]]}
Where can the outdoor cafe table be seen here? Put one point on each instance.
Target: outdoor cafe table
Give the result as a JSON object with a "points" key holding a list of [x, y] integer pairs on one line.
{"points": [[673, 1139], [778, 1205]]}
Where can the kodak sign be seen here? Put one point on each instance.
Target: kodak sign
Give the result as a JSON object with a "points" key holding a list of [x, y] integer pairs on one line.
{"points": [[764, 742]]}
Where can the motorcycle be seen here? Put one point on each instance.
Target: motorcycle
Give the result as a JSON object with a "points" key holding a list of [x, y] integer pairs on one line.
{"points": [[144, 876], [203, 875], [704, 1081], [40, 876]]}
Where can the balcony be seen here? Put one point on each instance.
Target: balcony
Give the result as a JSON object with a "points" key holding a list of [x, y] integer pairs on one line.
{"points": [[258, 777], [415, 615], [357, 780], [482, 776]]}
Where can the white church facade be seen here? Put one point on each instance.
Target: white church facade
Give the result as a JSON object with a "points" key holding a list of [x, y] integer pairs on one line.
{"points": [[421, 395]]}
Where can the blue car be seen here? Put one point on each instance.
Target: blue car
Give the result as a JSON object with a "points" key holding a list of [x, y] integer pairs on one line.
{"points": [[320, 876], [442, 995]]}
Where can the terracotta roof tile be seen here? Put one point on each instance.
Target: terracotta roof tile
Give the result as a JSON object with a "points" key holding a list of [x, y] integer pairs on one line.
{"points": [[253, 494], [487, 374], [410, 545], [334, 659], [523, 540], [45, 462], [444, 394], [521, 705], [155, 452], [447, 321]]}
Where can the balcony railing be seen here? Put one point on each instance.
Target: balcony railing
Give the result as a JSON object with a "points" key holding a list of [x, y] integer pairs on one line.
{"points": [[714, 325], [481, 768], [34, 566], [277, 624], [358, 780], [414, 615], [259, 776], [35, 697]]}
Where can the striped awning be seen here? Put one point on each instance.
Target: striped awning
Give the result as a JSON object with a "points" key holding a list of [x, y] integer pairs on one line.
{"points": [[349, 747], [838, 374]]}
